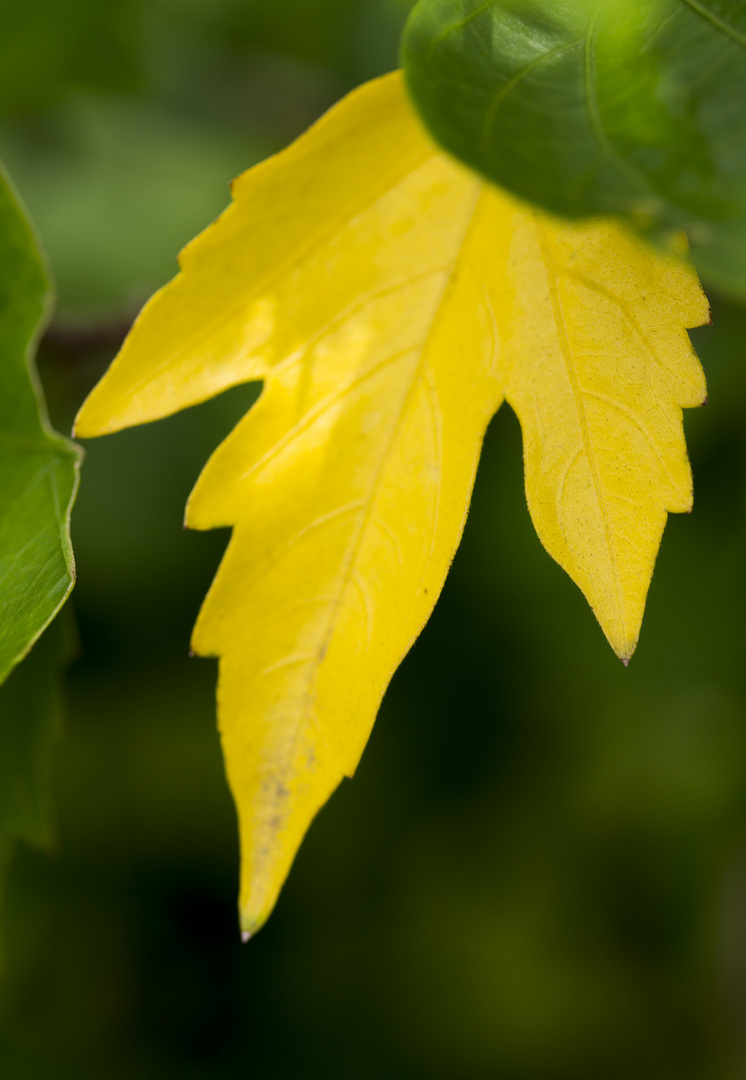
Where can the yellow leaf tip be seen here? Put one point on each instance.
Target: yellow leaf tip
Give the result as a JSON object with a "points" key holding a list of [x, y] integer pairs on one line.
{"points": [[625, 650], [251, 923], [84, 428], [623, 646]]}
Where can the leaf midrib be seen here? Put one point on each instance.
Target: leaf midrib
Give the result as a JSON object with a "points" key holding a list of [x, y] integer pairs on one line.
{"points": [[559, 321], [367, 509]]}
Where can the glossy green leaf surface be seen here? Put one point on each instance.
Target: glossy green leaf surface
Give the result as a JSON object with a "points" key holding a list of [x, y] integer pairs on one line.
{"points": [[38, 469], [629, 107]]}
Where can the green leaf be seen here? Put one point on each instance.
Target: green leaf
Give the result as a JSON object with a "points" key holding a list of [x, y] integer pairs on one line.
{"points": [[38, 469], [30, 723], [629, 107]]}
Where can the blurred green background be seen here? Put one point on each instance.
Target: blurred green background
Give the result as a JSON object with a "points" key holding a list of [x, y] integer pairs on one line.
{"points": [[539, 872]]}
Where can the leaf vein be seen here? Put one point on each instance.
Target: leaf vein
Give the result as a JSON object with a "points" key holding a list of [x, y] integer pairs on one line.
{"points": [[636, 423], [594, 112], [721, 24], [499, 97], [579, 405], [368, 512]]}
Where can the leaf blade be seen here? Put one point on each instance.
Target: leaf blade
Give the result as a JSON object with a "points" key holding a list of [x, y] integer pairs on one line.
{"points": [[598, 367], [38, 468], [30, 724], [366, 436], [320, 179], [347, 484]]}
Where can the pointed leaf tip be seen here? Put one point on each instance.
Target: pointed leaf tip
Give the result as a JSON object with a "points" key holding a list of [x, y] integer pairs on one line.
{"points": [[251, 924]]}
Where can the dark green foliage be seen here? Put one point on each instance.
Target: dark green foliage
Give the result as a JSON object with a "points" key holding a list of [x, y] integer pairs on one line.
{"points": [[631, 107], [38, 470], [81, 44], [29, 723]]}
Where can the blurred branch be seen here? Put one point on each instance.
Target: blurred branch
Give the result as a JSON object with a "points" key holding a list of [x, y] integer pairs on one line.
{"points": [[71, 341]]}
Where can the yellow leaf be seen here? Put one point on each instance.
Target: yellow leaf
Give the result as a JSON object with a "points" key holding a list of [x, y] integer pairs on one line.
{"points": [[597, 365], [389, 299]]}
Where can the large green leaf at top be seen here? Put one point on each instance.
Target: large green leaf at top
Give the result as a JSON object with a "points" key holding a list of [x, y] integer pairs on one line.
{"points": [[631, 107], [38, 468]]}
